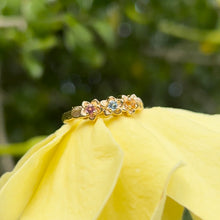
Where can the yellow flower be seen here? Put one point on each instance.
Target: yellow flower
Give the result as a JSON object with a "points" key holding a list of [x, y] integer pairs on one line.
{"points": [[148, 166]]}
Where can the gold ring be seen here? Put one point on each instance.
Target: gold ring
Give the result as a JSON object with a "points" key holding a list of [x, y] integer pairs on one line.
{"points": [[126, 105]]}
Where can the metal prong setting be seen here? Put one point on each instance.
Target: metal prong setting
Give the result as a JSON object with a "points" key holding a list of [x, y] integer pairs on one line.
{"points": [[127, 105]]}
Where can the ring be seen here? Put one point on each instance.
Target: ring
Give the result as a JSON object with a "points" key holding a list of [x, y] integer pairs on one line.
{"points": [[126, 105]]}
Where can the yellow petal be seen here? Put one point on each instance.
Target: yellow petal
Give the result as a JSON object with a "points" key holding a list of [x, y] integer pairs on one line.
{"points": [[146, 168], [194, 217], [195, 139], [156, 140], [32, 150], [17, 187], [168, 209], [80, 176], [172, 210]]}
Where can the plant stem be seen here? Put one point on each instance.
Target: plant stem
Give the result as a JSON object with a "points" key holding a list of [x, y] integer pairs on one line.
{"points": [[9, 22], [6, 162]]}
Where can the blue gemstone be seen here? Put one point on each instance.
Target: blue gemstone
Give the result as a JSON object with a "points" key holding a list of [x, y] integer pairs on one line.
{"points": [[113, 105]]}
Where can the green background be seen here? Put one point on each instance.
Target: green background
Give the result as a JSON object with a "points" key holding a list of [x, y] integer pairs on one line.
{"points": [[55, 54]]}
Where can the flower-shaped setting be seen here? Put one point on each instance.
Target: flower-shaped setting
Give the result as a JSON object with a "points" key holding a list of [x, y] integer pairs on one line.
{"points": [[91, 109], [131, 103], [103, 171], [111, 106]]}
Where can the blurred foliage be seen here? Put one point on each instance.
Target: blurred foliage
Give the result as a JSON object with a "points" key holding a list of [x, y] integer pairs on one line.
{"points": [[55, 54], [186, 215], [18, 149]]}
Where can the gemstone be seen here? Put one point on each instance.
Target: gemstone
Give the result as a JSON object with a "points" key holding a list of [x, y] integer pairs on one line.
{"points": [[131, 103], [90, 109], [113, 105]]}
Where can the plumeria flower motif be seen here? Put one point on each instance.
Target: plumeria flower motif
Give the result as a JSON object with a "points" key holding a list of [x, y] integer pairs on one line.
{"points": [[111, 106], [145, 167], [91, 109], [131, 103]]}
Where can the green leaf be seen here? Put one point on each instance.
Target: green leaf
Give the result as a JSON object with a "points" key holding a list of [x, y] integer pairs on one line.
{"points": [[186, 215], [189, 33], [135, 16], [105, 31], [40, 43], [78, 35], [18, 149], [34, 9], [85, 4], [33, 66], [93, 57]]}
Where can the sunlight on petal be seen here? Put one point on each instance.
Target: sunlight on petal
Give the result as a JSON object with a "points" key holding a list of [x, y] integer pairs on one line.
{"points": [[143, 177], [77, 172], [168, 209], [194, 217], [195, 139], [18, 186], [80, 177]]}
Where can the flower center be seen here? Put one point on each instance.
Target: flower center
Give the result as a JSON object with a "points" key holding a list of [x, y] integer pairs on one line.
{"points": [[113, 105], [90, 109]]}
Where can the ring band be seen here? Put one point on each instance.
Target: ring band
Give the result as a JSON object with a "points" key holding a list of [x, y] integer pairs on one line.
{"points": [[127, 105]]}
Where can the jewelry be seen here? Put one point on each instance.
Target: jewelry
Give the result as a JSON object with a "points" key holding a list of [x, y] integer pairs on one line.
{"points": [[126, 105]]}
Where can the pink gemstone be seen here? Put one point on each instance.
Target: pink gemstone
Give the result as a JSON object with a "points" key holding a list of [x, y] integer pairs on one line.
{"points": [[90, 109]]}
